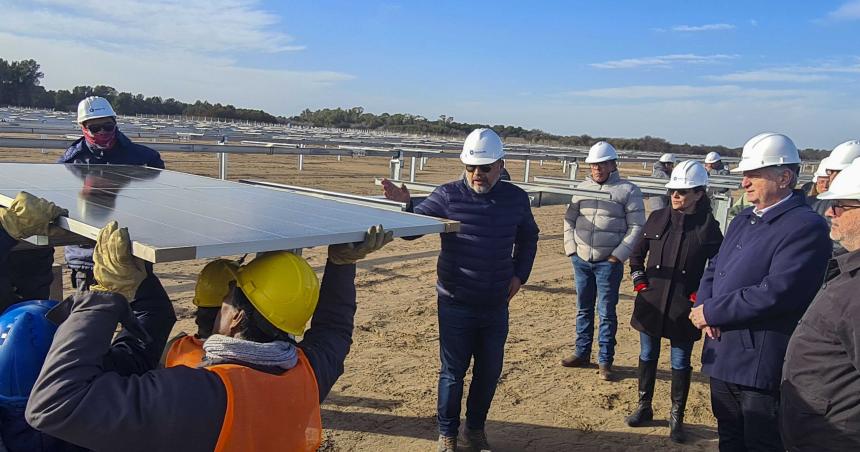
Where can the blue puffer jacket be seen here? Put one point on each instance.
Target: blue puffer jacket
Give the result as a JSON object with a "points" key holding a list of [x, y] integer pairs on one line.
{"points": [[124, 153], [757, 288], [497, 241]]}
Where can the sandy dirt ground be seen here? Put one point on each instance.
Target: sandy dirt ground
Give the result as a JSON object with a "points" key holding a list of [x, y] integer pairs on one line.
{"points": [[386, 398]]}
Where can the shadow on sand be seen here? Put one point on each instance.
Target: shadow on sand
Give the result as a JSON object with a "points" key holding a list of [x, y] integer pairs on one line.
{"points": [[509, 436]]}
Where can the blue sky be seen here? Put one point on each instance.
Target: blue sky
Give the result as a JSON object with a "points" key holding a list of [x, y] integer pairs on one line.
{"points": [[713, 72]]}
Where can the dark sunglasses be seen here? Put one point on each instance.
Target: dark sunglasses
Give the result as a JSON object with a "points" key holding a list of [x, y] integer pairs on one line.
{"points": [[484, 168], [107, 127], [680, 191], [839, 209]]}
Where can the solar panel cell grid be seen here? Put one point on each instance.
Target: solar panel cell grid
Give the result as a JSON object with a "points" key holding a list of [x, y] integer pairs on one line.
{"points": [[177, 216]]}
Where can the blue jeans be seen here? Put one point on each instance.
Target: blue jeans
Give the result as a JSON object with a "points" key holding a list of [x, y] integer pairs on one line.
{"points": [[467, 332], [650, 351], [596, 282]]}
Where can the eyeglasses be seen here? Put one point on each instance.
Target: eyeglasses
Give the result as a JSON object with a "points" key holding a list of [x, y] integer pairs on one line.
{"points": [[680, 191], [484, 168], [839, 209], [96, 128]]}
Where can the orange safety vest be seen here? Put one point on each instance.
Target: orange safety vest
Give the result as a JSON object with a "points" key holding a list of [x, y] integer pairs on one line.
{"points": [[265, 412], [184, 351]]}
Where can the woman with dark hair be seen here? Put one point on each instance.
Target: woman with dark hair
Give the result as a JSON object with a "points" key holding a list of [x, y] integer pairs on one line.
{"points": [[677, 241]]}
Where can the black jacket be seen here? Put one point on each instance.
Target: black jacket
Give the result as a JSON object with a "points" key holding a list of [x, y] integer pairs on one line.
{"points": [[677, 247], [821, 375]]}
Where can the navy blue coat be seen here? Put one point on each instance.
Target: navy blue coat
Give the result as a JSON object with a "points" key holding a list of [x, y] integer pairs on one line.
{"points": [[123, 153], [497, 241], [757, 288]]}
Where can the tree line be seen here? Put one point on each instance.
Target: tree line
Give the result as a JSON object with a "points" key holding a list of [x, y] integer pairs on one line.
{"points": [[20, 85]]}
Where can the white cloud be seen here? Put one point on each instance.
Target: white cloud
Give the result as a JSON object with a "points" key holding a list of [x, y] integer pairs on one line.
{"points": [[664, 61], [727, 115], [216, 26], [753, 22], [175, 73], [728, 121], [706, 27], [847, 11], [657, 92], [791, 74], [770, 75], [187, 50]]}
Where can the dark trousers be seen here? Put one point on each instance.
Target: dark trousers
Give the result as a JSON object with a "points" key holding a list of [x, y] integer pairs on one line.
{"points": [[465, 333], [746, 417]]}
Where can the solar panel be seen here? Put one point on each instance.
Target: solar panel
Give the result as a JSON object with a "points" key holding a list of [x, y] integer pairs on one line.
{"points": [[175, 216]]}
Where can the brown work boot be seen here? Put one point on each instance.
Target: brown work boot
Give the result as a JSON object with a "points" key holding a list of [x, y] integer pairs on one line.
{"points": [[606, 372], [446, 444], [476, 440], [575, 361]]}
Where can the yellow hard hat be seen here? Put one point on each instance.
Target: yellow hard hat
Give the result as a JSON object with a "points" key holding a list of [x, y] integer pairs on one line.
{"points": [[213, 283], [283, 288]]}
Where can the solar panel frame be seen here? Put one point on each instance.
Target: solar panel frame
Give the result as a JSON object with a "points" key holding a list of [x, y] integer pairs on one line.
{"points": [[174, 216]]}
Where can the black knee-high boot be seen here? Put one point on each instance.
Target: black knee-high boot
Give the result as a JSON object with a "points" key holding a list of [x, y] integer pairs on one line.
{"points": [[680, 389], [643, 412]]}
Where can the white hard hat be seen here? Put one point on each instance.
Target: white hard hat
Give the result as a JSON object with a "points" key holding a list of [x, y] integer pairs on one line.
{"points": [[822, 168], [767, 149], [668, 158], [482, 146], [846, 186], [601, 152], [843, 155], [688, 174], [713, 157], [94, 107]]}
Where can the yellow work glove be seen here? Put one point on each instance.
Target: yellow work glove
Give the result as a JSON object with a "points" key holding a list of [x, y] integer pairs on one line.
{"points": [[114, 267], [350, 253], [29, 215]]}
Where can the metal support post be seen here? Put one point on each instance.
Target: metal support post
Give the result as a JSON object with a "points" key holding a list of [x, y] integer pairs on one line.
{"points": [[395, 168], [574, 167], [412, 169], [301, 161], [222, 165], [528, 167]]}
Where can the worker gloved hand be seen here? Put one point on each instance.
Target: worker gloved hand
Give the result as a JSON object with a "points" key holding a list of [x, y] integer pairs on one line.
{"points": [[640, 281], [350, 253], [29, 215], [114, 267]]}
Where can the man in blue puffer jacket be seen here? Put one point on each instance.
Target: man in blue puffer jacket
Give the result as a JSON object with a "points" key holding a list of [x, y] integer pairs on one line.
{"points": [[480, 268], [102, 144]]}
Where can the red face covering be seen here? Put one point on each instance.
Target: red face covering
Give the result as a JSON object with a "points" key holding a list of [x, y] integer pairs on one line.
{"points": [[100, 141]]}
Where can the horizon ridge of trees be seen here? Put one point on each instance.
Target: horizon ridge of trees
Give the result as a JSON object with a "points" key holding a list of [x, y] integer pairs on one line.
{"points": [[20, 86]]}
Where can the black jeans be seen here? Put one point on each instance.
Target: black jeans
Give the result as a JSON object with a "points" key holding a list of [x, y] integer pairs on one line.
{"points": [[746, 417]]}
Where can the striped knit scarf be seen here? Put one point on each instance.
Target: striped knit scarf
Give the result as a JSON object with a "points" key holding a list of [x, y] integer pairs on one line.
{"points": [[272, 354]]}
